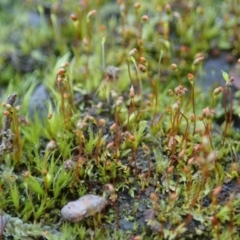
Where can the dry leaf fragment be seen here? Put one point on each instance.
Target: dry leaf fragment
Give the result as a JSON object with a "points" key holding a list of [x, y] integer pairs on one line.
{"points": [[85, 206]]}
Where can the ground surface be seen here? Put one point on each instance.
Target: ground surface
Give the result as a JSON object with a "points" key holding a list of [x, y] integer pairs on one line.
{"points": [[169, 183]]}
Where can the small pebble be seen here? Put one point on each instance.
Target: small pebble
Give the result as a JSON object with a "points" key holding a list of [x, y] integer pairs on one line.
{"points": [[85, 206]]}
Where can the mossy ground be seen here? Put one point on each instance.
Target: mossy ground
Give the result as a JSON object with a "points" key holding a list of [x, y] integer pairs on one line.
{"points": [[120, 93]]}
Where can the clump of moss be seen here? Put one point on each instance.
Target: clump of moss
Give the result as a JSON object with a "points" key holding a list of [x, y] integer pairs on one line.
{"points": [[123, 106]]}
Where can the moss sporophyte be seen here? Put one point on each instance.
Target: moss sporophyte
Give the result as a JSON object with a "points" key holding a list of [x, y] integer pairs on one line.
{"points": [[120, 120]]}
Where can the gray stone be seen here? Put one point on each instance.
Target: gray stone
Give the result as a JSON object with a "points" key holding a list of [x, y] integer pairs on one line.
{"points": [[38, 102], [125, 225]]}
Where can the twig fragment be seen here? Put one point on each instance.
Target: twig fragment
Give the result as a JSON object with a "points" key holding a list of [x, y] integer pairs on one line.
{"points": [[6, 133]]}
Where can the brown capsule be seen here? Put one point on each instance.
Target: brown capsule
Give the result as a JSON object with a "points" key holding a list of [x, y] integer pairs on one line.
{"points": [[89, 118], [101, 122], [7, 113], [18, 108], [191, 161], [173, 196], [170, 169], [142, 68], [74, 17], [45, 172], [142, 60], [66, 64], [230, 82], [114, 95], [192, 118], [218, 90], [137, 238], [119, 101], [109, 188], [153, 197], [81, 124], [170, 92], [144, 18], [216, 191], [110, 145], [176, 106], [198, 60], [198, 55], [190, 77], [137, 5], [174, 66], [91, 14], [50, 115], [65, 96], [61, 71], [113, 127], [85, 41], [108, 163], [181, 154], [214, 220], [168, 8], [131, 94], [8, 106], [51, 145], [186, 170], [131, 138], [59, 79], [140, 42], [27, 174], [148, 103], [208, 113], [132, 52]]}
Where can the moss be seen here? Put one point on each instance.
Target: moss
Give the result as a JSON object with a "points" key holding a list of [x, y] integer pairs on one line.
{"points": [[117, 98]]}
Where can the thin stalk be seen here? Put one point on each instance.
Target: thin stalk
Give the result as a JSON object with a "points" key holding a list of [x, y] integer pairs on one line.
{"points": [[129, 72], [155, 93], [70, 91], [134, 158], [137, 74], [98, 146], [131, 110], [207, 131], [60, 88], [103, 53], [18, 142], [225, 114], [117, 135], [231, 105], [186, 131], [194, 110], [173, 129]]}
